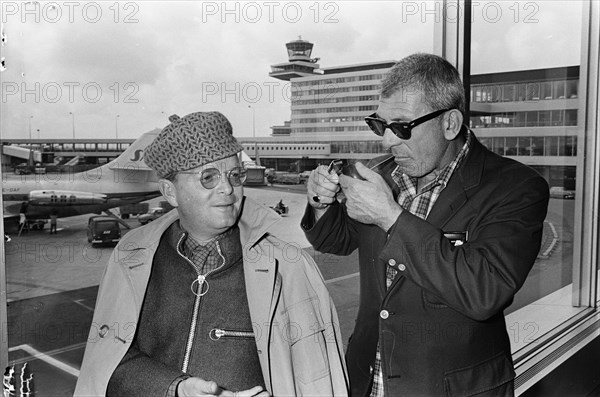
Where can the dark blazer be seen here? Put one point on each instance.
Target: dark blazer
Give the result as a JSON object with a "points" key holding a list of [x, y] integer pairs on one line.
{"points": [[441, 323]]}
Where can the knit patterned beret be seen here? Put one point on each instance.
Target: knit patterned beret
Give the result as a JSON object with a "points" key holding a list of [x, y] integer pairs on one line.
{"points": [[191, 141]]}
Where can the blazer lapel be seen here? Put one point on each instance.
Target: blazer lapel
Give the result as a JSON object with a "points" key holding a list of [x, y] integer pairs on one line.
{"points": [[456, 193]]}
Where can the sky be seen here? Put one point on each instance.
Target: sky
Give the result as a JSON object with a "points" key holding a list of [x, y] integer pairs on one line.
{"points": [[119, 69]]}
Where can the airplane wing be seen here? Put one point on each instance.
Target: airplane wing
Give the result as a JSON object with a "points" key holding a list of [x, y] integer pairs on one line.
{"points": [[11, 209]]}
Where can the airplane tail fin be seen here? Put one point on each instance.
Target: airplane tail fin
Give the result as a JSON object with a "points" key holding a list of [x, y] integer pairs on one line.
{"points": [[132, 159]]}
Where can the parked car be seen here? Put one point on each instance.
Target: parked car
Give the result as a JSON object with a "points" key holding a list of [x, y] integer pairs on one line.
{"points": [[22, 169], [153, 214], [103, 230], [561, 192], [304, 175]]}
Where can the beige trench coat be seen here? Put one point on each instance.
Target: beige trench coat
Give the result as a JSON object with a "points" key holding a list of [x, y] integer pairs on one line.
{"points": [[296, 324]]}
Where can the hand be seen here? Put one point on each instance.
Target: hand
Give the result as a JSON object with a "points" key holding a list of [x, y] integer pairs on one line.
{"points": [[197, 387], [322, 187], [370, 201]]}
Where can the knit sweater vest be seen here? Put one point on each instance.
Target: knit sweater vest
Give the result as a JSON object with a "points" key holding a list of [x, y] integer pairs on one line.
{"points": [[222, 349]]}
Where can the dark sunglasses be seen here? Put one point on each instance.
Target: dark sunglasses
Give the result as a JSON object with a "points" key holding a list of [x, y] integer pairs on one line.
{"points": [[401, 129], [210, 177]]}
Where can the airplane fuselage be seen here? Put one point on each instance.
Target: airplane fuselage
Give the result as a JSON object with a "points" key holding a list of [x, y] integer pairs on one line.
{"points": [[67, 194]]}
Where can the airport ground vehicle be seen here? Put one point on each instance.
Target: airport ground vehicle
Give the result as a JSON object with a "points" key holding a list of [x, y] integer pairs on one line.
{"points": [[561, 192], [153, 214], [103, 230], [282, 177], [281, 208], [133, 209]]}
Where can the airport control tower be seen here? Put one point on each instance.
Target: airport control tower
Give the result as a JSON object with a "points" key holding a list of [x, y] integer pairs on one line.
{"points": [[299, 62]]}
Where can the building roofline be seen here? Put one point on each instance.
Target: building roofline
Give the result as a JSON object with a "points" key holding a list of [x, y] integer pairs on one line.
{"points": [[359, 67], [563, 72]]}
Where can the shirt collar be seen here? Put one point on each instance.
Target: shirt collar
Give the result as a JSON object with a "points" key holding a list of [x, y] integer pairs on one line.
{"points": [[407, 182]]}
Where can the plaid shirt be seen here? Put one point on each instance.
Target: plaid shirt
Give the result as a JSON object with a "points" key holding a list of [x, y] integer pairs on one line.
{"points": [[419, 204]]}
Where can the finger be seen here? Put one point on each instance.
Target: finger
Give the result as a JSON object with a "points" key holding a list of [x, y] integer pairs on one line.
{"points": [[347, 181], [197, 387], [208, 387], [366, 172], [324, 177], [323, 188], [250, 392]]}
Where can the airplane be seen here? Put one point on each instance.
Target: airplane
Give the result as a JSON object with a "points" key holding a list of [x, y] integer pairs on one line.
{"points": [[124, 180]]}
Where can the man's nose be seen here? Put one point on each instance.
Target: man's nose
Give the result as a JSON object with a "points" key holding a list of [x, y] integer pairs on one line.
{"points": [[389, 139], [225, 185]]}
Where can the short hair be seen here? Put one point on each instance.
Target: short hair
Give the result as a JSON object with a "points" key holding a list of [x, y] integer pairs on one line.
{"points": [[432, 76]]}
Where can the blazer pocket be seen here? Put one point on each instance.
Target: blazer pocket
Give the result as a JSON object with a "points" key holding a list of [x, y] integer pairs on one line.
{"points": [[307, 341], [432, 301], [492, 377], [309, 358]]}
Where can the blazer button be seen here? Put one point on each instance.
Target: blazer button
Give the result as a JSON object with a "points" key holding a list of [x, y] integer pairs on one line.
{"points": [[103, 331], [392, 262], [384, 314], [401, 267]]}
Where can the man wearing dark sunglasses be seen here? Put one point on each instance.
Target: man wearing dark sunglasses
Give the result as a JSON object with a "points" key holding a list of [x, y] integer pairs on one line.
{"points": [[204, 300], [447, 233]]}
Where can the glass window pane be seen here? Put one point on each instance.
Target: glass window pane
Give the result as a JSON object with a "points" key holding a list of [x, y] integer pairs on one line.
{"points": [[559, 89], [570, 117], [524, 63], [551, 145], [508, 94], [524, 146], [499, 145], [572, 86], [520, 119], [558, 117], [544, 118], [537, 146], [532, 119], [510, 146], [546, 90]]}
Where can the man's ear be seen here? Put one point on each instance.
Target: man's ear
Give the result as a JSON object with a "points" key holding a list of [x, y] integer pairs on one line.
{"points": [[168, 190], [452, 123]]}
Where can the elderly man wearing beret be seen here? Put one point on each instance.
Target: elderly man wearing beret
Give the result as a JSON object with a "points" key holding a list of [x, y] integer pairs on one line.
{"points": [[205, 301]]}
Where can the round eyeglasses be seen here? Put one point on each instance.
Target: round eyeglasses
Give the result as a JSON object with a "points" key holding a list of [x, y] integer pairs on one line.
{"points": [[210, 177], [401, 129]]}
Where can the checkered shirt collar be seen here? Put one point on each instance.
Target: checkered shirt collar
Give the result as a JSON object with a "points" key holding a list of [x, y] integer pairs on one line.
{"points": [[204, 256]]}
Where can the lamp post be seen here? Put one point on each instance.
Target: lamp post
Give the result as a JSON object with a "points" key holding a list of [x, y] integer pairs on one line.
{"points": [[30, 117], [117, 126], [73, 119], [254, 133]]}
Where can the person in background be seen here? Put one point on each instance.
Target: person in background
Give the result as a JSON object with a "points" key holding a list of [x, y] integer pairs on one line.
{"points": [[53, 221], [446, 234], [204, 300]]}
